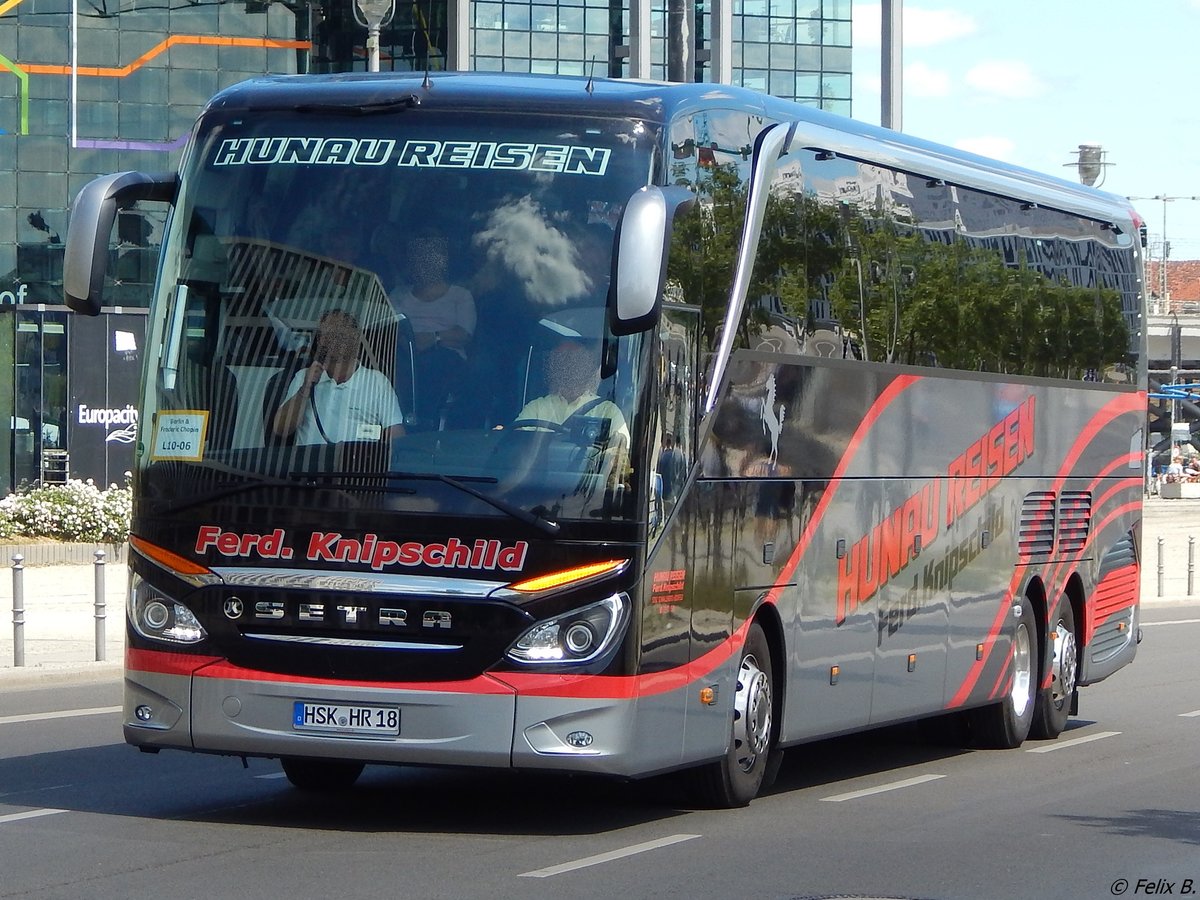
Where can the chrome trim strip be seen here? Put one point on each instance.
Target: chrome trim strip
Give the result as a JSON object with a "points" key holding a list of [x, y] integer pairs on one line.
{"points": [[772, 142], [362, 582], [349, 642]]}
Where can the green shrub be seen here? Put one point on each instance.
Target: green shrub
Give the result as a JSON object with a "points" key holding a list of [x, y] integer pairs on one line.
{"points": [[75, 511]]}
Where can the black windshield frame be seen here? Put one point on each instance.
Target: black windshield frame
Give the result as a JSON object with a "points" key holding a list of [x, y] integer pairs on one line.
{"points": [[563, 181]]}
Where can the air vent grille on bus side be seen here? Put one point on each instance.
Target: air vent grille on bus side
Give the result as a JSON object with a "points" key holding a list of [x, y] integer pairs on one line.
{"points": [[1036, 534], [1074, 520]]}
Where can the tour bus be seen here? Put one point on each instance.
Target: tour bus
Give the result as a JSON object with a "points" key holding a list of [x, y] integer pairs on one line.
{"points": [[615, 427]]}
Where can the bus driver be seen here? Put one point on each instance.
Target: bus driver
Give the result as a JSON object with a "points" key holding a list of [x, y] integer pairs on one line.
{"points": [[336, 398], [572, 376]]}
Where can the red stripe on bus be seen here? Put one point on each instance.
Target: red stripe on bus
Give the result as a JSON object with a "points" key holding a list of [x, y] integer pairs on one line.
{"points": [[894, 389], [167, 663], [1115, 408], [163, 662], [531, 684]]}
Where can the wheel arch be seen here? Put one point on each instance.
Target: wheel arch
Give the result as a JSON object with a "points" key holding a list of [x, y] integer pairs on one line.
{"points": [[1077, 595], [768, 618], [1035, 591]]}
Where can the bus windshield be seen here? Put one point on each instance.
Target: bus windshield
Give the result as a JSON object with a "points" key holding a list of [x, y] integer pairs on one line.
{"points": [[407, 307]]}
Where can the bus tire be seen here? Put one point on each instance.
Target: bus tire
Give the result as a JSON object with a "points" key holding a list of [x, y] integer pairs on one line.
{"points": [[1053, 706], [736, 779], [321, 774], [1006, 724]]}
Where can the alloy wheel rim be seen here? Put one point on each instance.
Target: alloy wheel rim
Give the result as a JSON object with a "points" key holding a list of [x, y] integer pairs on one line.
{"points": [[1062, 681], [752, 714]]}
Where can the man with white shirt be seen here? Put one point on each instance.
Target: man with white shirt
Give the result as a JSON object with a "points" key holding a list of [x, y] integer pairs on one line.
{"points": [[572, 375], [336, 398]]}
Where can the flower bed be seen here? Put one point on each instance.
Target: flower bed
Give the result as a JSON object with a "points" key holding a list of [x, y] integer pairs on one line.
{"points": [[76, 512]]}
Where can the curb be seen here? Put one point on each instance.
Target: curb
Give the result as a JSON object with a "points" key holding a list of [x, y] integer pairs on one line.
{"points": [[27, 678]]}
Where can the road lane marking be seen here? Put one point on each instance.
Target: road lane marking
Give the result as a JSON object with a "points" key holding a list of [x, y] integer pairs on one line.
{"points": [[1191, 715], [1075, 742], [31, 814], [272, 775], [883, 788], [1176, 622], [608, 857], [61, 714]]}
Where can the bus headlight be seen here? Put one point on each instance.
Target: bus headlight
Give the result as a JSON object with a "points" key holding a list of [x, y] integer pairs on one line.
{"points": [[579, 636], [156, 616]]}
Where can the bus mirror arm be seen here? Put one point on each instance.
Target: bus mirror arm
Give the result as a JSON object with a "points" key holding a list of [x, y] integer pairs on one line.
{"points": [[640, 265], [93, 212]]}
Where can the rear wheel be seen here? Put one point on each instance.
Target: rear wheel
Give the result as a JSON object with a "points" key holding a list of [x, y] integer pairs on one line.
{"points": [[1053, 706], [1006, 724], [736, 779], [321, 774]]}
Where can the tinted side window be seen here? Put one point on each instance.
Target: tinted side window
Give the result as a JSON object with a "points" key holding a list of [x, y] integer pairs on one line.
{"points": [[932, 274]]}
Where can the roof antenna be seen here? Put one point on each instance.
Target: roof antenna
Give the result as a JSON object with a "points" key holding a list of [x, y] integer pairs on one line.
{"points": [[590, 86], [426, 84]]}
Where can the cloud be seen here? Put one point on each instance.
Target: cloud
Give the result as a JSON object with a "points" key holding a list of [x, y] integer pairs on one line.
{"points": [[922, 27], [1011, 78], [988, 145], [521, 237], [921, 80]]}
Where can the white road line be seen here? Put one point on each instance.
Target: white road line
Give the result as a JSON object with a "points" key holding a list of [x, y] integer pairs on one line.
{"points": [[1176, 622], [31, 814], [62, 714], [1191, 715], [272, 775], [1075, 742], [881, 789], [608, 857]]}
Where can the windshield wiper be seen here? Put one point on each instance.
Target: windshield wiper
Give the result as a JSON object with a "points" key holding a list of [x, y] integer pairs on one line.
{"points": [[546, 526], [409, 101], [234, 488]]}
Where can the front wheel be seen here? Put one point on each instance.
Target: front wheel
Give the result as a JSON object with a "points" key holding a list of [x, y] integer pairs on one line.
{"points": [[321, 774], [736, 779], [1053, 706], [1006, 724]]}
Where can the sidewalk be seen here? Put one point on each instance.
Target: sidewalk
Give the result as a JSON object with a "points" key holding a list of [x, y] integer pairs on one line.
{"points": [[60, 625]]}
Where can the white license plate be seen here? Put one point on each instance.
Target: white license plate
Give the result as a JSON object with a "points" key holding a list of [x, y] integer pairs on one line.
{"points": [[345, 718]]}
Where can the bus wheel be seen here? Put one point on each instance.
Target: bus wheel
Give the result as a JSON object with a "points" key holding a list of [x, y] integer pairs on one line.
{"points": [[321, 774], [1053, 706], [1006, 724], [736, 779]]}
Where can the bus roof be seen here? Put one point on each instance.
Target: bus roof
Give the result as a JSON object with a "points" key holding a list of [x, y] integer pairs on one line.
{"points": [[660, 102]]}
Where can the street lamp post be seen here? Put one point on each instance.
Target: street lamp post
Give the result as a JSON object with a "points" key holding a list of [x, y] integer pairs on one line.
{"points": [[373, 15], [1166, 245]]}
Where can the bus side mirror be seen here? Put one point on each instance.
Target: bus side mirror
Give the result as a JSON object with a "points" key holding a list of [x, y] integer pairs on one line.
{"points": [[93, 212], [640, 267]]}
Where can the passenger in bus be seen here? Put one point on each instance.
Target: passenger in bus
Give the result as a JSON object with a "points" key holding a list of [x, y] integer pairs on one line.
{"points": [[336, 398], [572, 376], [442, 316]]}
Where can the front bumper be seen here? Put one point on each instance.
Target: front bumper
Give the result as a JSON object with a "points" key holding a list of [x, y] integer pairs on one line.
{"points": [[553, 722]]}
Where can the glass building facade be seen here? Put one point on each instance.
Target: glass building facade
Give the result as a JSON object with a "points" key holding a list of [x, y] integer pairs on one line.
{"points": [[89, 87]]}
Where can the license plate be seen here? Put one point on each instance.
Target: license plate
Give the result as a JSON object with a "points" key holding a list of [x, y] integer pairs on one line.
{"points": [[345, 718]]}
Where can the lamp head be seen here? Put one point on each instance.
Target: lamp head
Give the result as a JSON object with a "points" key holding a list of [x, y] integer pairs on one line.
{"points": [[374, 13]]}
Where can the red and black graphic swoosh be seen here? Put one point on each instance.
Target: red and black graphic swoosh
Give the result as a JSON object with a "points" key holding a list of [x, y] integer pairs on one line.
{"points": [[1121, 405]]}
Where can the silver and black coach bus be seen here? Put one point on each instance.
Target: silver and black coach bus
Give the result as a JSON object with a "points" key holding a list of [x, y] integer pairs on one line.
{"points": [[616, 427]]}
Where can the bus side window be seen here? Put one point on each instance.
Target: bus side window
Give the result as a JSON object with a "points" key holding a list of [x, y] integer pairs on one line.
{"points": [[674, 444]]}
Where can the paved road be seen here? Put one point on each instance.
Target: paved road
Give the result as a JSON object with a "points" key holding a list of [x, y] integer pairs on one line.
{"points": [[1115, 798]]}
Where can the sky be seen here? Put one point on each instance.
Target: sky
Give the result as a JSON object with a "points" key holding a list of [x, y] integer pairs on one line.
{"points": [[1028, 81]]}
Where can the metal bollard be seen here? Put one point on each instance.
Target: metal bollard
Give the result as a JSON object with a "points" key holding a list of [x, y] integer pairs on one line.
{"points": [[101, 613], [1191, 562], [18, 571], [1160, 566]]}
